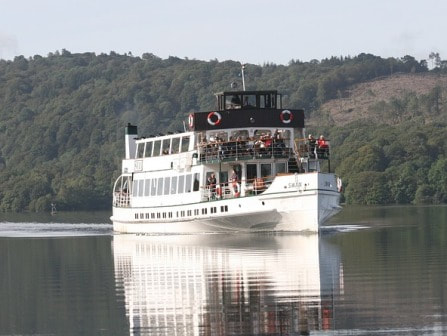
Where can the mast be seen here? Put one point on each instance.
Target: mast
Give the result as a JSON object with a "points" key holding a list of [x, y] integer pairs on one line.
{"points": [[243, 75]]}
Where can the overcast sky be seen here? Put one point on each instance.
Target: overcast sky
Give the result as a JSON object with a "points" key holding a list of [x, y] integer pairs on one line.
{"points": [[251, 31]]}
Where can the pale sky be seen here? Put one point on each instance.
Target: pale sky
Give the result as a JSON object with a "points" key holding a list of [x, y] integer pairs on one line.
{"points": [[250, 31]]}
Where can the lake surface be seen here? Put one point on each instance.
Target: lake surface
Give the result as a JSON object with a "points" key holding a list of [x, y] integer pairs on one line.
{"points": [[373, 271]]}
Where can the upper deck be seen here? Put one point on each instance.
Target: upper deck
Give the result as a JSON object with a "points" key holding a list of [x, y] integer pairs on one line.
{"points": [[242, 109]]}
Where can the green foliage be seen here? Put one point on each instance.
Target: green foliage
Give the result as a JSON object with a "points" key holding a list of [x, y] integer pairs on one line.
{"points": [[62, 119]]}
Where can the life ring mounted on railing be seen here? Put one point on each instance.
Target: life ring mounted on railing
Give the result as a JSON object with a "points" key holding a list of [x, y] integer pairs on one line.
{"points": [[214, 118], [286, 116], [236, 189]]}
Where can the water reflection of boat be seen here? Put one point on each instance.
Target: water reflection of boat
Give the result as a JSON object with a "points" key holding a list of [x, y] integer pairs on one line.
{"points": [[219, 285]]}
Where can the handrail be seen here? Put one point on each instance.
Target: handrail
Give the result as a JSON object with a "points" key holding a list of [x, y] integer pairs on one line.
{"points": [[244, 149]]}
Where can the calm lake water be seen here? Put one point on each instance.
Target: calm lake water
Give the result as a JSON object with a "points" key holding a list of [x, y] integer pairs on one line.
{"points": [[373, 271]]}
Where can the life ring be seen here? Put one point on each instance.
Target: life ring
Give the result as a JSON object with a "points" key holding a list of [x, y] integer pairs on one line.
{"points": [[236, 189], [191, 120], [339, 185], [286, 116], [214, 118]]}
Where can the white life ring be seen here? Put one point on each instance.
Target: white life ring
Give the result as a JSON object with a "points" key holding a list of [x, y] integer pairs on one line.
{"points": [[191, 120], [339, 185], [236, 189], [214, 118], [288, 119]]}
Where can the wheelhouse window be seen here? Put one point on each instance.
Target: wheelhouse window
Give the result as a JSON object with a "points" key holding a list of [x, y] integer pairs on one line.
{"points": [[185, 143], [249, 101], [175, 146], [148, 151], [140, 150], [233, 101], [157, 147], [166, 144]]}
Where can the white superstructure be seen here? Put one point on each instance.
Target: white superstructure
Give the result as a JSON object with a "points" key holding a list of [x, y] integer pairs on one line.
{"points": [[267, 175]]}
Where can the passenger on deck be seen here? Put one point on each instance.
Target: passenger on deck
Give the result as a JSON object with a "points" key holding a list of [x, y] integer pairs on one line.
{"points": [[323, 147], [211, 185]]}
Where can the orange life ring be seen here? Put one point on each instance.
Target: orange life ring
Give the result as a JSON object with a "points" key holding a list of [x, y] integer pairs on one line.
{"points": [[288, 119], [236, 189], [214, 118]]}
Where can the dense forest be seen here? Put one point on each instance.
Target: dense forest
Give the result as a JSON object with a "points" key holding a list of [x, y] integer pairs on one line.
{"points": [[62, 120]]}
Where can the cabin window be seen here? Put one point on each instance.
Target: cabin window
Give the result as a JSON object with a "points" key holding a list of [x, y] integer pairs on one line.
{"points": [[185, 143], [188, 181], [233, 101], [140, 150], [166, 144], [266, 170], [157, 148], [153, 187], [196, 182], [266, 101], [148, 151], [147, 187], [251, 172], [280, 167], [249, 101], [167, 186], [262, 133], [140, 188], [181, 184], [174, 185], [175, 145], [240, 135], [160, 186], [135, 188]]}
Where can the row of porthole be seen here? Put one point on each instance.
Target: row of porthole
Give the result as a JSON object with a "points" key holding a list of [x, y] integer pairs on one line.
{"points": [[179, 214]]}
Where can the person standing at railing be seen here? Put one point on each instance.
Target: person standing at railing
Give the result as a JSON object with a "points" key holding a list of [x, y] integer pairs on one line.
{"points": [[234, 184], [211, 185], [323, 147]]}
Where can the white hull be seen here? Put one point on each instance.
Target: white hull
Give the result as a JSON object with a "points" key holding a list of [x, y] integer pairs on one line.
{"points": [[300, 202]]}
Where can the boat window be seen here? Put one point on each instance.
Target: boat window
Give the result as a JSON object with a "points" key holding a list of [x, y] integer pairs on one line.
{"points": [[140, 188], [153, 187], [223, 178], [251, 172], [174, 185], [160, 186], [185, 143], [219, 136], [249, 101], [188, 181], [266, 170], [233, 101], [167, 185], [240, 134], [280, 167], [266, 101], [147, 186], [175, 146], [135, 188], [181, 184], [140, 150], [148, 151], [262, 132], [157, 147], [166, 143], [196, 182]]}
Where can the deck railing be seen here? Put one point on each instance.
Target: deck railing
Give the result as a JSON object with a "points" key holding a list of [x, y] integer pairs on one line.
{"points": [[121, 199], [243, 150]]}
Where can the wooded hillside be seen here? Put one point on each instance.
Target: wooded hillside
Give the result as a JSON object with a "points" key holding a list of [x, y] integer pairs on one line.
{"points": [[62, 119]]}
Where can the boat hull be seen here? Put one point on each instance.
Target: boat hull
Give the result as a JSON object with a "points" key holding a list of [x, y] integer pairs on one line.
{"points": [[297, 203]]}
